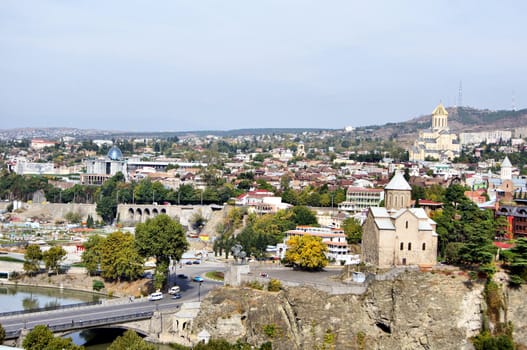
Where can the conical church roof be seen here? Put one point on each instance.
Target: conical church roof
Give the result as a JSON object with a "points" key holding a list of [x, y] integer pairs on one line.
{"points": [[506, 163], [398, 182], [440, 110]]}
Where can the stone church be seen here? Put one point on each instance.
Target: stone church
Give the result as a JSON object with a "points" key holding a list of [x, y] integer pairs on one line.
{"points": [[436, 142], [397, 234]]}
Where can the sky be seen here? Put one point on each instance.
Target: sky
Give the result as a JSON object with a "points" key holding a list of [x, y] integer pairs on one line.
{"points": [[218, 65]]}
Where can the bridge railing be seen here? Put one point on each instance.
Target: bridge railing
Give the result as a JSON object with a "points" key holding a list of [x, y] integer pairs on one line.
{"points": [[49, 308], [74, 325]]}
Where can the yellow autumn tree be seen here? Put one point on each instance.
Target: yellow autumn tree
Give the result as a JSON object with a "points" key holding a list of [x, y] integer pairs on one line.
{"points": [[306, 252]]}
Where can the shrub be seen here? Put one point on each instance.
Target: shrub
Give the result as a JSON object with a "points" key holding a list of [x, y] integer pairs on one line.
{"points": [[488, 269], [270, 330], [515, 281], [274, 285], [485, 341], [15, 276], [255, 285], [97, 285]]}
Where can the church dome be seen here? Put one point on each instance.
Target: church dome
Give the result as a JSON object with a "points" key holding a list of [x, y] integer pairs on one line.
{"points": [[115, 153], [440, 110]]}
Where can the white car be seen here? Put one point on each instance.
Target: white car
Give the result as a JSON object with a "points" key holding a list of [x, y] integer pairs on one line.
{"points": [[155, 296], [174, 290]]}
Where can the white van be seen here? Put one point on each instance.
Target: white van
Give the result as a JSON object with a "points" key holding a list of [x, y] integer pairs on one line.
{"points": [[155, 296], [174, 290]]}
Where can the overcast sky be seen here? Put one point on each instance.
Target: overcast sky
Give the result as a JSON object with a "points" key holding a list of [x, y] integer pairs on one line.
{"points": [[228, 64]]}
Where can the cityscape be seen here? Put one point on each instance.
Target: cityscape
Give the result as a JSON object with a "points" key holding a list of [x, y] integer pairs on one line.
{"points": [[279, 175]]}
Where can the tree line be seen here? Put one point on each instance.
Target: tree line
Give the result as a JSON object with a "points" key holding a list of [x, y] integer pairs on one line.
{"points": [[121, 255]]}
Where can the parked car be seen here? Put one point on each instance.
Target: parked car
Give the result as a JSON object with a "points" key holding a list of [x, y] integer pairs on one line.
{"points": [[196, 262], [176, 296], [182, 276], [198, 279], [188, 262], [155, 296]]}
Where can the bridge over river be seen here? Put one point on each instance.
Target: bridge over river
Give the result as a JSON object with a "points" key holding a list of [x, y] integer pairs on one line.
{"points": [[152, 319]]}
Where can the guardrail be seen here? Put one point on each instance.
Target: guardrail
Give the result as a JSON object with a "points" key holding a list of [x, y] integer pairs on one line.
{"points": [[74, 325], [49, 308]]}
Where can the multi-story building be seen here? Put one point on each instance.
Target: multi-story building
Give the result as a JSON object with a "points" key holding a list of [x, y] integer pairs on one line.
{"points": [[516, 216], [335, 239], [359, 199], [100, 169], [475, 138]]}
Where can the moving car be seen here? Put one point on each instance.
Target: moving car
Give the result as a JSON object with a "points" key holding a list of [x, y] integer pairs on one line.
{"points": [[174, 290], [196, 262], [182, 276], [176, 296], [155, 296], [197, 279]]}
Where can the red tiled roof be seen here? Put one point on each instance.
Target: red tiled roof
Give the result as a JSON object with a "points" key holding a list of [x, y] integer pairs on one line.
{"points": [[428, 202], [503, 245]]}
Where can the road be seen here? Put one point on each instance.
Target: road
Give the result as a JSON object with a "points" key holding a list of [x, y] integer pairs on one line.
{"points": [[78, 317]]}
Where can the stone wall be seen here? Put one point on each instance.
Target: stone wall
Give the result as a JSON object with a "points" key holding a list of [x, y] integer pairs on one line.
{"points": [[56, 211], [131, 214]]}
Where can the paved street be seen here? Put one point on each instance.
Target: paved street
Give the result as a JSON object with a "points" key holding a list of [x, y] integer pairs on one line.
{"points": [[327, 276]]}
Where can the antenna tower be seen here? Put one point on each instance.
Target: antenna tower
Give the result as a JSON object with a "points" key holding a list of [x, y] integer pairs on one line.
{"points": [[460, 95]]}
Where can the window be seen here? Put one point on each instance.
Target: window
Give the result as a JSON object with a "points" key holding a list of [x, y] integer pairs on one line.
{"points": [[401, 246], [409, 246], [424, 246], [406, 223]]}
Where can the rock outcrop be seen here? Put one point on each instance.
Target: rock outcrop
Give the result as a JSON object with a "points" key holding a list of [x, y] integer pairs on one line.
{"points": [[413, 311]]}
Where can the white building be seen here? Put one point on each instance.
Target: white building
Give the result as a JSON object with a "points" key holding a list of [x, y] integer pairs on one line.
{"points": [[335, 239]]}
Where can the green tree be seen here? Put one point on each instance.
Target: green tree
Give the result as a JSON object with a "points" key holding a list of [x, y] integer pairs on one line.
{"points": [[353, 230], [516, 259], [107, 208], [302, 215], [63, 344], [197, 221], [162, 238], [89, 222], [264, 185], [38, 338], [41, 338], [107, 197], [53, 257], [120, 258], [2, 334], [32, 259], [73, 217], [130, 341], [306, 252], [91, 257]]}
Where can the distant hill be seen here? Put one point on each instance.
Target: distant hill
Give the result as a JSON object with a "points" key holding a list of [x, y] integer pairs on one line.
{"points": [[460, 119], [221, 133]]}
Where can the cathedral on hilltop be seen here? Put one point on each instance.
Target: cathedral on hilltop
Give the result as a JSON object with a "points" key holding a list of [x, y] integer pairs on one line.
{"points": [[436, 142]]}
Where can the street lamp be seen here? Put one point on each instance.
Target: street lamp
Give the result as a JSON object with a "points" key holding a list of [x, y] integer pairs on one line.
{"points": [[199, 292]]}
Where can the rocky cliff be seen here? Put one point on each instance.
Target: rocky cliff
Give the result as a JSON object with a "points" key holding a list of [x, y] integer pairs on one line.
{"points": [[413, 311]]}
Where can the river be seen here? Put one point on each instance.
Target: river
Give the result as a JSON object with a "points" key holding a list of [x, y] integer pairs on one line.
{"points": [[18, 298]]}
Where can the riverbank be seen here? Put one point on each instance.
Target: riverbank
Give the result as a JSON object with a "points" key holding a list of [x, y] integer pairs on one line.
{"points": [[83, 282]]}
